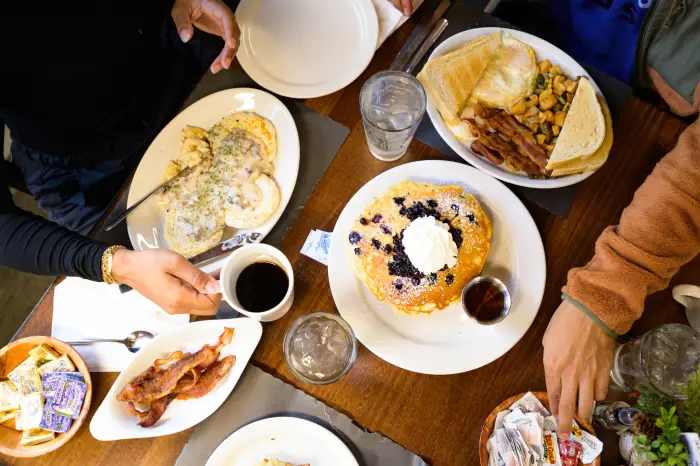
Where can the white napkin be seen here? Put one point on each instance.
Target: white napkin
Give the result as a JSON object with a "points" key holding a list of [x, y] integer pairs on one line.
{"points": [[390, 19], [84, 309]]}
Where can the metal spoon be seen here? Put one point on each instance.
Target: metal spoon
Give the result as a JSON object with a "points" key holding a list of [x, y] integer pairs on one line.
{"points": [[134, 342]]}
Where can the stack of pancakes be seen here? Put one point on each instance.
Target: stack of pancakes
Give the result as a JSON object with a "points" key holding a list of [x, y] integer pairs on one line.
{"points": [[381, 263]]}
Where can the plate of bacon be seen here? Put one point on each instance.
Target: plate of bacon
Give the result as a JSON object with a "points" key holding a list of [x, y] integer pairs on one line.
{"points": [[178, 380]]}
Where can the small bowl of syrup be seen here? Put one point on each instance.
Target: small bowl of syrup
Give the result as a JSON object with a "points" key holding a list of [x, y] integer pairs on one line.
{"points": [[486, 299]]}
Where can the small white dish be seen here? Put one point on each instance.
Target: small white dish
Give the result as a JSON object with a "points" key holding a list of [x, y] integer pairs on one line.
{"points": [[689, 297], [285, 438], [113, 422], [306, 48], [145, 224], [544, 51], [446, 341], [242, 258]]}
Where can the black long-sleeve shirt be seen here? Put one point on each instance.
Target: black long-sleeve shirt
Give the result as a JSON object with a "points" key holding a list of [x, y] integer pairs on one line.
{"points": [[75, 82]]}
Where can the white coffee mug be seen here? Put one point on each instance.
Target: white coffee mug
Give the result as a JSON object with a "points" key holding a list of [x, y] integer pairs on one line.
{"points": [[689, 297], [242, 258]]}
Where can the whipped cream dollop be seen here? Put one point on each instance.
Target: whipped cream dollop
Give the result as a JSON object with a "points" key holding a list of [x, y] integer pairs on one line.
{"points": [[429, 245]]}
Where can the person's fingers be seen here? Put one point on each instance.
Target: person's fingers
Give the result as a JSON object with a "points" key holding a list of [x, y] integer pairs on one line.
{"points": [[225, 57], [200, 280], [183, 21], [601, 385], [553, 380], [186, 297], [586, 398], [228, 21], [407, 7], [567, 407]]}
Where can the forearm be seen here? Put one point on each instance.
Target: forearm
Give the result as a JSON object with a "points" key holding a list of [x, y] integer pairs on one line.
{"points": [[32, 244], [658, 233]]}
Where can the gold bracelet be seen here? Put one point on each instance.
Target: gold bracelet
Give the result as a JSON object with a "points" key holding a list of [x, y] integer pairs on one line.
{"points": [[107, 276]]}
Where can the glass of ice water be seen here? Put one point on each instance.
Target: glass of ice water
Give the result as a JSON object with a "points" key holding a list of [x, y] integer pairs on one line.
{"points": [[320, 348], [393, 104], [662, 359]]}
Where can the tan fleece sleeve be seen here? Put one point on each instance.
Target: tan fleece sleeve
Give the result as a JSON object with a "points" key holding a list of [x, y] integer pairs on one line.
{"points": [[658, 233]]}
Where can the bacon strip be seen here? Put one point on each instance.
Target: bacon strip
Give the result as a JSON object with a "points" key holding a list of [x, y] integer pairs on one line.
{"points": [[176, 356], [165, 381], [209, 379], [224, 339]]}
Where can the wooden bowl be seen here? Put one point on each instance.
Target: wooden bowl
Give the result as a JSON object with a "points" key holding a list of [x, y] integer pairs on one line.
{"points": [[490, 423], [12, 356]]}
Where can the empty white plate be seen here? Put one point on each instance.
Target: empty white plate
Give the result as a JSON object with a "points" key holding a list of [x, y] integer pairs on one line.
{"points": [[289, 439], [306, 48]]}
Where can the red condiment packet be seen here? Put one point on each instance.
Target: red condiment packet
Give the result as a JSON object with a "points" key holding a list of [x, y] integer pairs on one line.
{"points": [[570, 452]]}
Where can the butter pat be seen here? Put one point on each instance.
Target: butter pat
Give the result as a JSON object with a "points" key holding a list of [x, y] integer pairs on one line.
{"points": [[35, 437], [32, 407], [9, 396], [26, 377], [43, 354], [62, 364]]}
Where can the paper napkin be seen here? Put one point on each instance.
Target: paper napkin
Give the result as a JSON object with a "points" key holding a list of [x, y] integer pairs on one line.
{"points": [[390, 19], [83, 309]]}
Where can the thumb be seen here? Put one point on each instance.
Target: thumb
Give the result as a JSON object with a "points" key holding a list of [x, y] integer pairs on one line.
{"points": [[200, 281], [183, 21]]}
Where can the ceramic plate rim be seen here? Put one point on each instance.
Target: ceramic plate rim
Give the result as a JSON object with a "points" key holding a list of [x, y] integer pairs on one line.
{"points": [[571, 66], [287, 143], [103, 416], [298, 92], [293, 422], [400, 351]]}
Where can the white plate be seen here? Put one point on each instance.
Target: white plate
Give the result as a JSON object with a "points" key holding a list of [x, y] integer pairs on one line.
{"points": [[544, 51], [145, 224], [113, 422], [446, 341], [291, 439], [306, 48]]}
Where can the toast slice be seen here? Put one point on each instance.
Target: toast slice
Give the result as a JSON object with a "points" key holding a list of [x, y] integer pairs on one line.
{"points": [[448, 80], [584, 128], [597, 158]]}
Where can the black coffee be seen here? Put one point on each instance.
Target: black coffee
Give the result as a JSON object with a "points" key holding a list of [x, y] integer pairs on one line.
{"points": [[261, 286]]}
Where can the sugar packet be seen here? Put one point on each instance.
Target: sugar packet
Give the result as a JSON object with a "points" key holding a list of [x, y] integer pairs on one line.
{"points": [[551, 449], [592, 447], [51, 380], [317, 246], [530, 404]]}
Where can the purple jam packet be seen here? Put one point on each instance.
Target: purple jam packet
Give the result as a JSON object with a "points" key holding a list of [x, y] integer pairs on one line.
{"points": [[51, 380], [53, 421], [68, 397]]}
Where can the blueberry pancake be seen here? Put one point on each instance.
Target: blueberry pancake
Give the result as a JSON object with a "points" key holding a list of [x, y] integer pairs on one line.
{"points": [[419, 244]]}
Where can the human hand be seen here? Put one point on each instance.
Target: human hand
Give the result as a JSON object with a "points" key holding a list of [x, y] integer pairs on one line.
{"points": [[214, 17], [577, 359], [158, 274], [404, 6]]}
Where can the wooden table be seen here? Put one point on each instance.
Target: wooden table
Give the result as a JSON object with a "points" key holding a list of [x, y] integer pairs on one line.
{"points": [[437, 417]]}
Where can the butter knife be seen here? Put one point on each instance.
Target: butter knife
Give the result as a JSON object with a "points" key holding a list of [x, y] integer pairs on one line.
{"points": [[224, 248], [421, 31], [426, 45]]}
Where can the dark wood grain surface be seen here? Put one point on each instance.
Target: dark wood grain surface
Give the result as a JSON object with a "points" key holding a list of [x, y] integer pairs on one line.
{"points": [[437, 417]]}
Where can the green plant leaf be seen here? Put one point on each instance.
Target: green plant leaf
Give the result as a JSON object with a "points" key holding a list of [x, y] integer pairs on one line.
{"points": [[684, 455], [678, 448], [652, 457], [660, 422], [673, 461]]}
